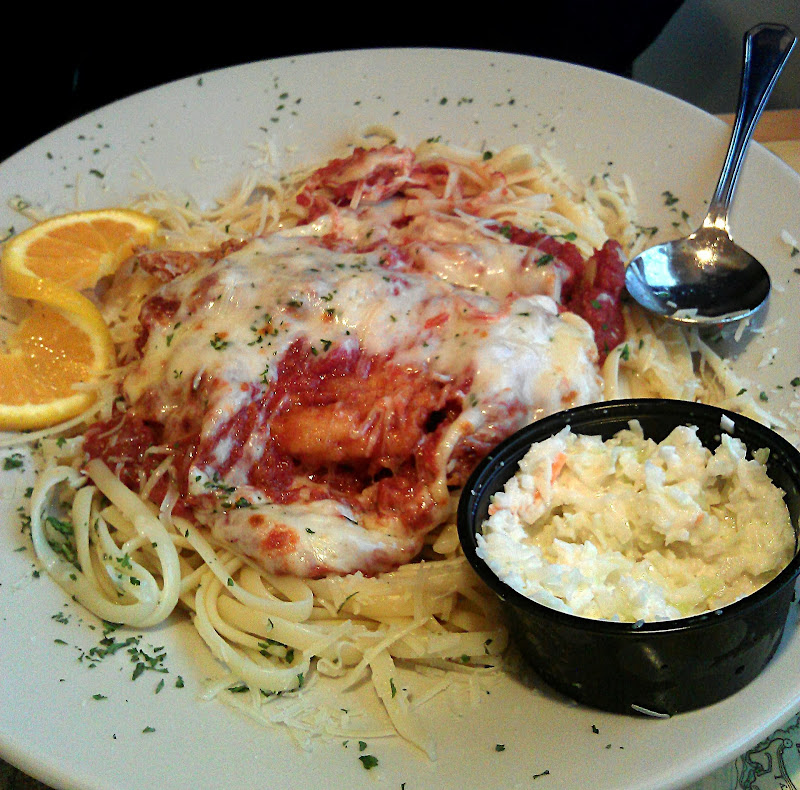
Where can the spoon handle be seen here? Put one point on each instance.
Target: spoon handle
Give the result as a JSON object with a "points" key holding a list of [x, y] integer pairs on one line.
{"points": [[766, 49]]}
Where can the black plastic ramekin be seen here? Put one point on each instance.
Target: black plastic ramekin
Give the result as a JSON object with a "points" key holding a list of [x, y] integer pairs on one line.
{"points": [[660, 668]]}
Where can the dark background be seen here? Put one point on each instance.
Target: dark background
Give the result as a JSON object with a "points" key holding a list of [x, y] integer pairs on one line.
{"points": [[83, 62]]}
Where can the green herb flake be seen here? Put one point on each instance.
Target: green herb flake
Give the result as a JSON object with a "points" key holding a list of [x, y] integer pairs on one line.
{"points": [[669, 198], [13, 461], [218, 343], [342, 604]]}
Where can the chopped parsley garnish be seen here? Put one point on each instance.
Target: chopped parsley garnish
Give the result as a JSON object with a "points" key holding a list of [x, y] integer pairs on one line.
{"points": [[13, 461], [218, 343], [342, 604], [669, 198]]}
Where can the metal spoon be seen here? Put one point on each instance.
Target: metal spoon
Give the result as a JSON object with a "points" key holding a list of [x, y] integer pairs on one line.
{"points": [[705, 278]]}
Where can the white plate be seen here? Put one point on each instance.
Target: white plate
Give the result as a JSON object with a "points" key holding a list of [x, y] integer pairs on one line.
{"points": [[198, 135]]}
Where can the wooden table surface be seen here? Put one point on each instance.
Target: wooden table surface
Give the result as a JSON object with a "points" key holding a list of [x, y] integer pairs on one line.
{"points": [[778, 130]]}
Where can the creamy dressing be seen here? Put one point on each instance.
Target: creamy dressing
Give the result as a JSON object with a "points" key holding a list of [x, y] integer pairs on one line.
{"points": [[630, 529]]}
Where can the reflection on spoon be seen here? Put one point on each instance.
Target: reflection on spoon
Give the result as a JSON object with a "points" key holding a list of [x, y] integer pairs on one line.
{"points": [[705, 278]]}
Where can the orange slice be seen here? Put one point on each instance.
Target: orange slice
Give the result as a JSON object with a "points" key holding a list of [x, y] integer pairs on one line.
{"points": [[75, 250], [50, 353], [60, 349]]}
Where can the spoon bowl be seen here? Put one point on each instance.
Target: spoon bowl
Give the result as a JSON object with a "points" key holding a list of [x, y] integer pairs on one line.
{"points": [[706, 279]]}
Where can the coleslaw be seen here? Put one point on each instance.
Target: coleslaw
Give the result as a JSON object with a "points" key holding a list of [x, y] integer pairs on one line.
{"points": [[633, 529]]}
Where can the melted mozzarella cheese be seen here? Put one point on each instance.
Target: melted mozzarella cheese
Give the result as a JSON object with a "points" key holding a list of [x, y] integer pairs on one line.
{"points": [[311, 540], [232, 322], [462, 252], [238, 317]]}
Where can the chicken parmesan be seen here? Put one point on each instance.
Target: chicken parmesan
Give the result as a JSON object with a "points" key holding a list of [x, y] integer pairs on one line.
{"points": [[322, 391]]}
